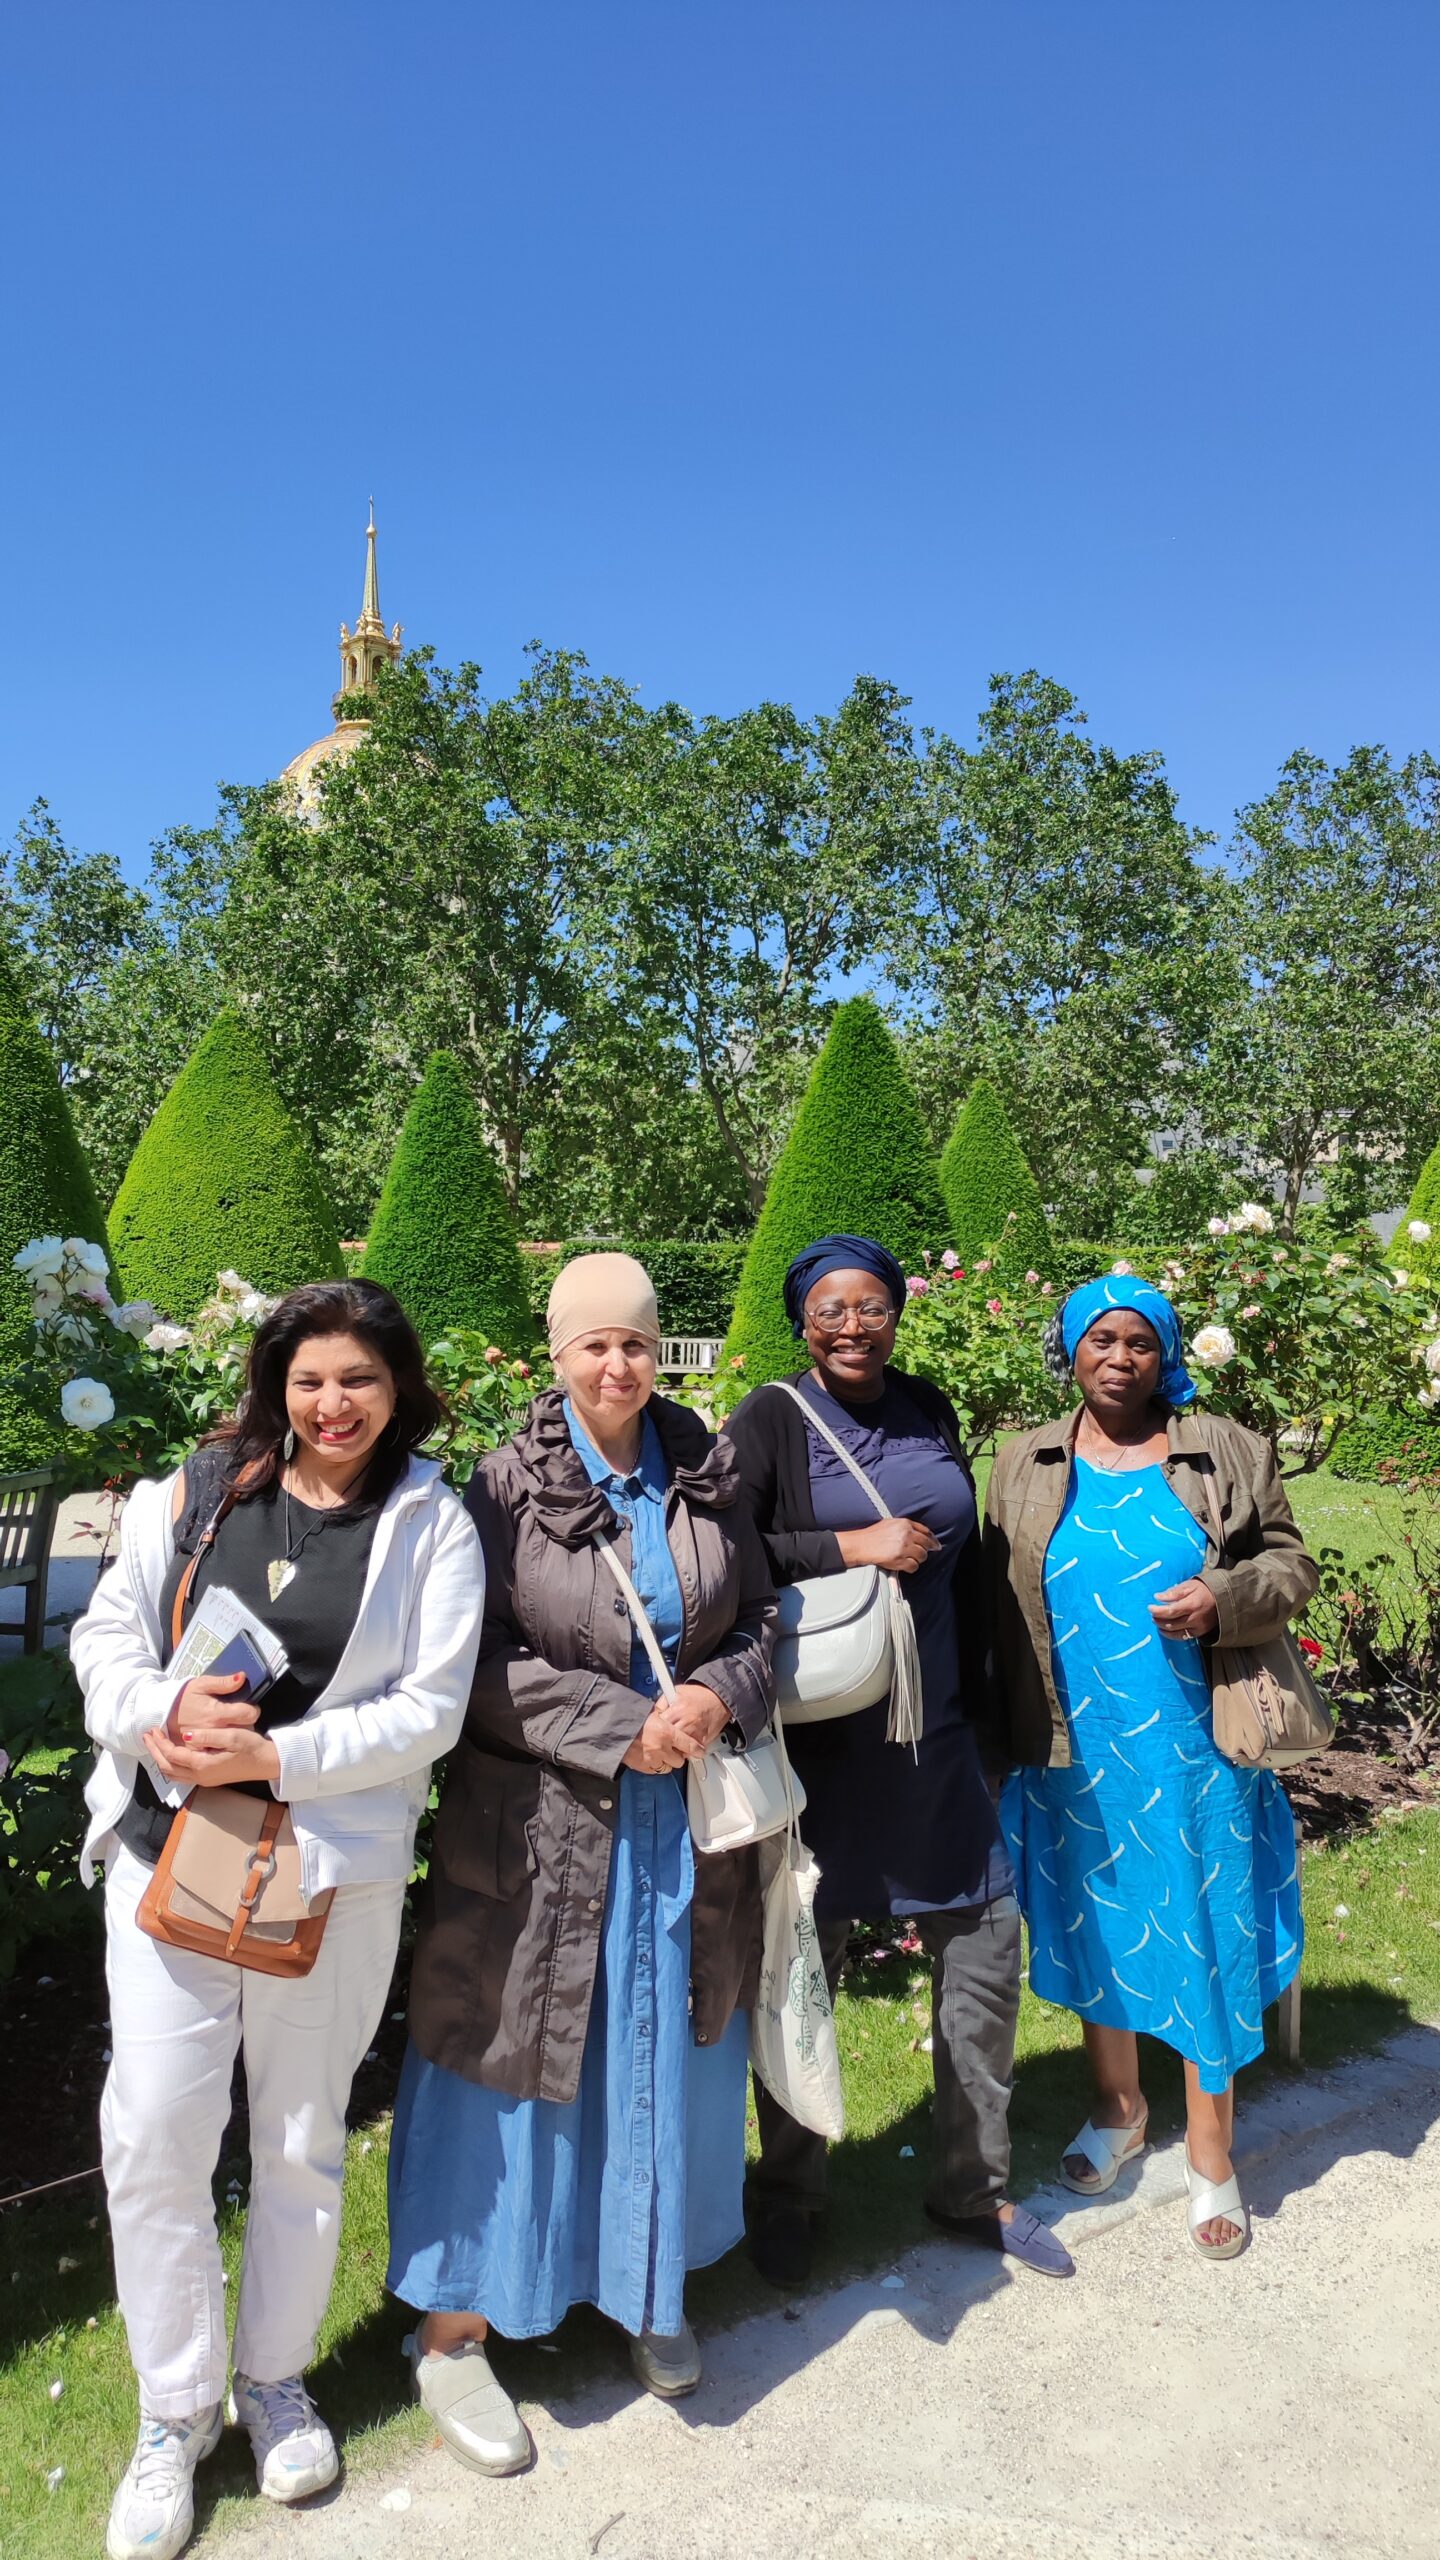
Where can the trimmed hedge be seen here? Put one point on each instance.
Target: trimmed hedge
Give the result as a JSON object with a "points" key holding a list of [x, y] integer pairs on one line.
{"points": [[1410, 1441], [694, 1283], [1421, 1259], [442, 1236], [990, 1192], [857, 1163], [45, 1189], [222, 1179]]}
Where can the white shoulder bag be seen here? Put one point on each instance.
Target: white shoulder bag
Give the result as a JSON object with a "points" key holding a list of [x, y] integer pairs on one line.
{"points": [[843, 1640], [732, 1797]]}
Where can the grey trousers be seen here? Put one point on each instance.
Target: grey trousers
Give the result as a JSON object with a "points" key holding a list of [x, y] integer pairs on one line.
{"points": [[975, 1965]]}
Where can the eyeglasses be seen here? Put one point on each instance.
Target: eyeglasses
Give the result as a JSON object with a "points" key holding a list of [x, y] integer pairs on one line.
{"points": [[872, 1316]]}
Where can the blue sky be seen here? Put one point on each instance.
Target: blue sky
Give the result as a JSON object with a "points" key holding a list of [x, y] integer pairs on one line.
{"points": [[742, 346]]}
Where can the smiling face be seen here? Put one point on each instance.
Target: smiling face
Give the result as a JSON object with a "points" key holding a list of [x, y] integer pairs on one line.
{"points": [[850, 1332], [339, 1396], [609, 1376], [1117, 1367]]}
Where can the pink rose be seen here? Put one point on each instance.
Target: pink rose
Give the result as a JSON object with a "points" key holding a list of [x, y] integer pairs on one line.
{"points": [[917, 1288], [1247, 1312], [950, 1258], [1047, 1288], [1032, 1279], [494, 1355], [984, 1266], [996, 1306]]}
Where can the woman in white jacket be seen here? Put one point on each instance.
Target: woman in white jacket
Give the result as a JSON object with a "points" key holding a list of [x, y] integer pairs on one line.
{"points": [[349, 1548]]}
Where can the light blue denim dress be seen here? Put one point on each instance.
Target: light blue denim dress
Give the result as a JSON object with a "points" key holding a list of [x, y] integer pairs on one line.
{"points": [[1158, 1880], [517, 2208]]}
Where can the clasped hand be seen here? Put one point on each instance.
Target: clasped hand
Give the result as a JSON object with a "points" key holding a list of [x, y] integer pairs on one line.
{"points": [[1186, 1609], [209, 1737], [678, 1729], [900, 1546]]}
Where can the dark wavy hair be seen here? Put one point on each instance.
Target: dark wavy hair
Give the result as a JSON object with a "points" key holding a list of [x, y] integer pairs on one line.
{"points": [[254, 1436]]}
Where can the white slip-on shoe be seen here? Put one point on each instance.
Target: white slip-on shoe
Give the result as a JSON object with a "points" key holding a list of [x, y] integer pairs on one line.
{"points": [[474, 2415], [153, 2513], [1108, 2149], [294, 2450], [1220, 2202], [669, 2367]]}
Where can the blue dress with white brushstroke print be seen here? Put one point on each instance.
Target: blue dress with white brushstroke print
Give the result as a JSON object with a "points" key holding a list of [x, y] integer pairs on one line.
{"points": [[1158, 1881]]}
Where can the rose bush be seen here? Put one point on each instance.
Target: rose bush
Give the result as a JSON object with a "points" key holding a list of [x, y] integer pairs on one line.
{"points": [[975, 1330]]}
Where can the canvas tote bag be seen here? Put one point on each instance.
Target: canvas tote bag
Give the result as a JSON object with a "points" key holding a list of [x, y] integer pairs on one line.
{"points": [[228, 1879]]}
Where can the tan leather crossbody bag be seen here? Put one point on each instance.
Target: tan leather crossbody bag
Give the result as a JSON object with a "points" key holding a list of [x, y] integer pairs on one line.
{"points": [[228, 1880]]}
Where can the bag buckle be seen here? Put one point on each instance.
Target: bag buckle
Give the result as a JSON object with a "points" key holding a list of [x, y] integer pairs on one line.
{"points": [[260, 1867]]}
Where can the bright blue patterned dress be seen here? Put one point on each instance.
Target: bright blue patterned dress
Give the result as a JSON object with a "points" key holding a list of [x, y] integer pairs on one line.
{"points": [[518, 2207], [1158, 1881]]}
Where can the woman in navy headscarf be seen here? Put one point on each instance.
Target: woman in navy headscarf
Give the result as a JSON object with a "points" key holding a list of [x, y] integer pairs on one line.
{"points": [[1158, 1880], [900, 1831]]}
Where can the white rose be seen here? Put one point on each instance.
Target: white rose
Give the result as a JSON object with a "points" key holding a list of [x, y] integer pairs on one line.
{"points": [[1338, 1262], [1432, 1358], [1418, 1231], [86, 1404], [1218, 1227], [90, 1257], [254, 1307], [40, 1258], [1401, 1279], [1121, 1270], [76, 1329], [1427, 1396], [1252, 1219], [135, 1317], [230, 1284], [1213, 1345], [167, 1337], [46, 1298]]}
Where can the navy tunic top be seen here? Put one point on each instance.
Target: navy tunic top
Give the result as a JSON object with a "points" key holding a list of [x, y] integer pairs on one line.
{"points": [[894, 1832]]}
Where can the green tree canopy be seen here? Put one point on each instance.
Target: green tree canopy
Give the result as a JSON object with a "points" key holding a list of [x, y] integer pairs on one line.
{"points": [[442, 1237], [991, 1194], [45, 1189], [858, 1162], [222, 1179]]}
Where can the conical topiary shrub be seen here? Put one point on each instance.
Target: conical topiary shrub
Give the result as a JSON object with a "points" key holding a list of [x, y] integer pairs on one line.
{"points": [[222, 1180], [442, 1237], [1421, 1255], [990, 1192], [857, 1163], [45, 1189]]}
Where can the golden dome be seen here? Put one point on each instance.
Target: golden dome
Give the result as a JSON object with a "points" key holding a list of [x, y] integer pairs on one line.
{"points": [[363, 652], [302, 774]]}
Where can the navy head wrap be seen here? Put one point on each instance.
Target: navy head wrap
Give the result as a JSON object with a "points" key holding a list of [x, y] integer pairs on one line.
{"points": [[839, 1253], [1084, 1308]]}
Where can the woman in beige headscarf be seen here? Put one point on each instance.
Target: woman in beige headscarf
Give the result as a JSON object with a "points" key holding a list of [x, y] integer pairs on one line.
{"points": [[570, 2125]]}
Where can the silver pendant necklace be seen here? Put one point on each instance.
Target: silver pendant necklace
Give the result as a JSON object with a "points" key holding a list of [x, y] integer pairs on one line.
{"points": [[280, 1572]]}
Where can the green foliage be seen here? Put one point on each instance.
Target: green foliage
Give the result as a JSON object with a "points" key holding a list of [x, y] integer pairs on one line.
{"points": [[1421, 1254], [222, 1178], [975, 1329], [1184, 1190], [857, 1163], [42, 1808], [991, 1194], [442, 1237], [1372, 1448], [488, 1395], [45, 1189]]}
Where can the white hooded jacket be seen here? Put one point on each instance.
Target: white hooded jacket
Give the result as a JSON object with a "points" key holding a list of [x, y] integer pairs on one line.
{"points": [[355, 1769]]}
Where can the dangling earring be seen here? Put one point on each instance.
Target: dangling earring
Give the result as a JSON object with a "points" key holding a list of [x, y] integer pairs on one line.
{"points": [[287, 1447]]}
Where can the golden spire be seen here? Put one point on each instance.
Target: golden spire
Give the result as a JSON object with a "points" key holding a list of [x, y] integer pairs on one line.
{"points": [[370, 609], [368, 647]]}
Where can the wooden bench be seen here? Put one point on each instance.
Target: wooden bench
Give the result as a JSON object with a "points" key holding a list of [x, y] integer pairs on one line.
{"points": [[684, 1355], [27, 1518]]}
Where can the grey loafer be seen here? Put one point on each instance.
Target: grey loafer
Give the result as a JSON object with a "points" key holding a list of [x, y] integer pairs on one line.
{"points": [[473, 2415], [670, 2367]]}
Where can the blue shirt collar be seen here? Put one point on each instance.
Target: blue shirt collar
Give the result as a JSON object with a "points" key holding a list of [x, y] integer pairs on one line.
{"points": [[648, 1479]]}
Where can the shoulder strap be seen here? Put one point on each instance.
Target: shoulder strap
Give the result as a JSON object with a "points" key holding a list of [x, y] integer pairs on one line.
{"points": [[639, 1616], [205, 1540], [838, 1445]]}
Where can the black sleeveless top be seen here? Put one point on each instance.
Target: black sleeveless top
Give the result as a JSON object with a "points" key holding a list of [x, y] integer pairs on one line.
{"points": [[313, 1616]]}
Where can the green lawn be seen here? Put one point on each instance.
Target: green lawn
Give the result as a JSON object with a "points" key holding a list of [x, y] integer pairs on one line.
{"points": [[1366, 1976]]}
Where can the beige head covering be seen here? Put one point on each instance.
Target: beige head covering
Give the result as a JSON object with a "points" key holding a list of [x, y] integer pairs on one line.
{"points": [[598, 1290]]}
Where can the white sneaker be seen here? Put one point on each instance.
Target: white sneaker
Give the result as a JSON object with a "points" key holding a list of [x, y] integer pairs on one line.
{"points": [[153, 2515], [294, 2450]]}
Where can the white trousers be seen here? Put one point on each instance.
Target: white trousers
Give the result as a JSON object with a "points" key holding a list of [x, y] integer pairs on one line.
{"points": [[177, 2021]]}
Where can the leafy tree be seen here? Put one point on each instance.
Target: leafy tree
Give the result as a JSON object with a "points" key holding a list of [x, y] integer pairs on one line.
{"points": [[857, 1162], [45, 1189], [991, 1194], [222, 1178], [1057, 942], [442, 1237], [1326, 1050]]}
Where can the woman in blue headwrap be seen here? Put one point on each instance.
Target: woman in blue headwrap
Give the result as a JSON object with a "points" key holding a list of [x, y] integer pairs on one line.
{"points": [[898, 1829], [1157, 1878]]}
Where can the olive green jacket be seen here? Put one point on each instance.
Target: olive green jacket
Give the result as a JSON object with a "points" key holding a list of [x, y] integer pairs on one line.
{"points": [[1261, 1576]]}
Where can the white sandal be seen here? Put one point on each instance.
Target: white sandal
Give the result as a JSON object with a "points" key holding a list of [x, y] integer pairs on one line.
{"points": [[1216, 2204], [1107, 2147]]}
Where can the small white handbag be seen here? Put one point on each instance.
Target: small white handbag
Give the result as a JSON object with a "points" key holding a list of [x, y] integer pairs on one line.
{"points": [[844, 1640], [732, 1797]]}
